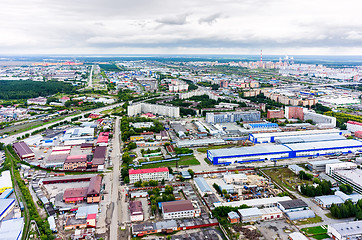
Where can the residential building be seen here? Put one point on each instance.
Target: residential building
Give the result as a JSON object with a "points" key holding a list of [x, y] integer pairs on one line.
{"points": [[37, 101], [275, 113], [222, 117], [180, 209], [158, 174], [136, 211], [294, 113], [138, 108]]}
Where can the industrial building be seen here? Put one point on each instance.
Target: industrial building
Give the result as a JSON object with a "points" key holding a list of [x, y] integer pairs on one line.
{"points": [[282, 151], [258, 202], [6, 206], [86, 134], [180, 209], [272, 137], [5, 181], [222, 117], [338, 198], [255, 214], [200, 142], [157, 174], [351, 177], [347, 230], [12, 229], [332, 167], [163, 110], [23, 150], [320, 119], [202, 186], [320, 166], [353, 126]]}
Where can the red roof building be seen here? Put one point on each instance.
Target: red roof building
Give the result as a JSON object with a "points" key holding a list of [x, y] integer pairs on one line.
{"points": [[73, 195], [76, 162], [157, 174], [103, 137], [23, 150]]}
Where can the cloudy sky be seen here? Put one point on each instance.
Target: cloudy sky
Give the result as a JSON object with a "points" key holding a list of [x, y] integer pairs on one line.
{"points": [[181, 27]]}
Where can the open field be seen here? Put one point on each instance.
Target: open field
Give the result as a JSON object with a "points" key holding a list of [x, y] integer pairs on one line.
{"points": [[185, 160], [318, 232], [316, 219], [204, 149], [285, 177]]}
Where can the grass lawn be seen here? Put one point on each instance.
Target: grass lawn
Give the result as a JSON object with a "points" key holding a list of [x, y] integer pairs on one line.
{"points": [[204, 149], [314, 230], [185, 160], [285, 177], [316, 219], [321, 236]]}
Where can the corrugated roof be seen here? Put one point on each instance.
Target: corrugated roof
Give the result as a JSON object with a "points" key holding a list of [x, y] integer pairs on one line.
{"points": [[22, 149], [177, 206], [202, 184], [229, 152], [324, 145], [147, 170]]}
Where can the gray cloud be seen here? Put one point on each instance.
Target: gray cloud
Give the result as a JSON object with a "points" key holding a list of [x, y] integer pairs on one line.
{"points": [[210, 19], [174, 20]]}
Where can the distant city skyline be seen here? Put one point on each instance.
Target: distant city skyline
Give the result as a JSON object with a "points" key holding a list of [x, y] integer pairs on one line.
{"points": [[278, 27]]}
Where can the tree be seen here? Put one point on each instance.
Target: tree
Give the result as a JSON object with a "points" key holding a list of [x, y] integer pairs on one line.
{"points": [[224, 192], [126, 180], [138, 184], [153, 183], [192, 173], [168, 189], [132, 145], [163, 182]]}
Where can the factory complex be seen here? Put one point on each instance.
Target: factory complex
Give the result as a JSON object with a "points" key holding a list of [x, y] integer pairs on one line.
{"points": [[287, 145]]}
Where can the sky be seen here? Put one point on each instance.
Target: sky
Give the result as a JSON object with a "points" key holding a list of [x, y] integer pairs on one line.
{"points": [[278, 27]]}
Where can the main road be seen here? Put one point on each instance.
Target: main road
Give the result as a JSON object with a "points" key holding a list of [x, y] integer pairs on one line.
{"points": [[114, 227]]}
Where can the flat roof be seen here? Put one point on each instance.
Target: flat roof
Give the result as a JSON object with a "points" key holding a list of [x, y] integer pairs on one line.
{"points": [[248, 212], [12, 229], [348, 228], [254, 150], [324, 145], [353, 175], [324, 162], [294, 133], [177, 206], [295, 203], [254, 202], [329, 199], [5, 180], [5, 204]]}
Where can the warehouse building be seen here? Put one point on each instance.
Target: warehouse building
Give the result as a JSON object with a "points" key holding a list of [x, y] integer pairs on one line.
{"points": [[320, 119], [6, 207], [250, 215], [338, 198], [320, 166], [282, 151], [258, 202], [200, 142], [157, 174], [99, 157], [351, 177], [12, 229], [272, 137], [5, 181], [23, 150], [332, 167], [344, 231]]}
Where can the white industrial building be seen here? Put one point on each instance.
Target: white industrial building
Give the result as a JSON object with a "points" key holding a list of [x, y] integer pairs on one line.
{"points": [[338, 198], [353, 126], [331, 167], [320, 119], [235, 178], [163, 110], [347, 230], [259, 202], [12, 229], [5, 181], [202, 186], [255, 214], [351, 177]]}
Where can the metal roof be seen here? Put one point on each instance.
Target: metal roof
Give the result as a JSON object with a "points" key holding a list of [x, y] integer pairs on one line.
{"points": [[230, 152], [248, 212], [348, 228], [300, 214], [202, 184], [324, 145]]}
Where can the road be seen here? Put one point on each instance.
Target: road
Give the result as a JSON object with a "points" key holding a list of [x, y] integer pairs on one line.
{"points": [[90, 82], [12, 138], [114, 226]]}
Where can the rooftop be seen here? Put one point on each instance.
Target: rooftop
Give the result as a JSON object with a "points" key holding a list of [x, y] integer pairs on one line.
{"points": [[135, 207], [148, 170], [11, 229], [177, 206], [22, 148], [75, 193], [291, 204], [247, 212], [228, 152], [94, 185], [202, 184], [348, 228]]}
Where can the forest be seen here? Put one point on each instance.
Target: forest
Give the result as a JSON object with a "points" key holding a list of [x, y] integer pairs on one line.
{"points": [[31, 89]]}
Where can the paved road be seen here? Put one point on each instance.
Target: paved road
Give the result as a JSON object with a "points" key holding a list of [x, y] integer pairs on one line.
{"points": [[115, 182], [12, 138], [90, 82]]}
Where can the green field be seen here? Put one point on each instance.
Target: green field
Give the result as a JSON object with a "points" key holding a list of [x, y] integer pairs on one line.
{"points": [[185, 160], [204, 149], [318, 232]]}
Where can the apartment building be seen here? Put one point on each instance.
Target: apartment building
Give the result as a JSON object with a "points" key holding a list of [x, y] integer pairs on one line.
{"points": [[157, 174], [180, 209]]}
